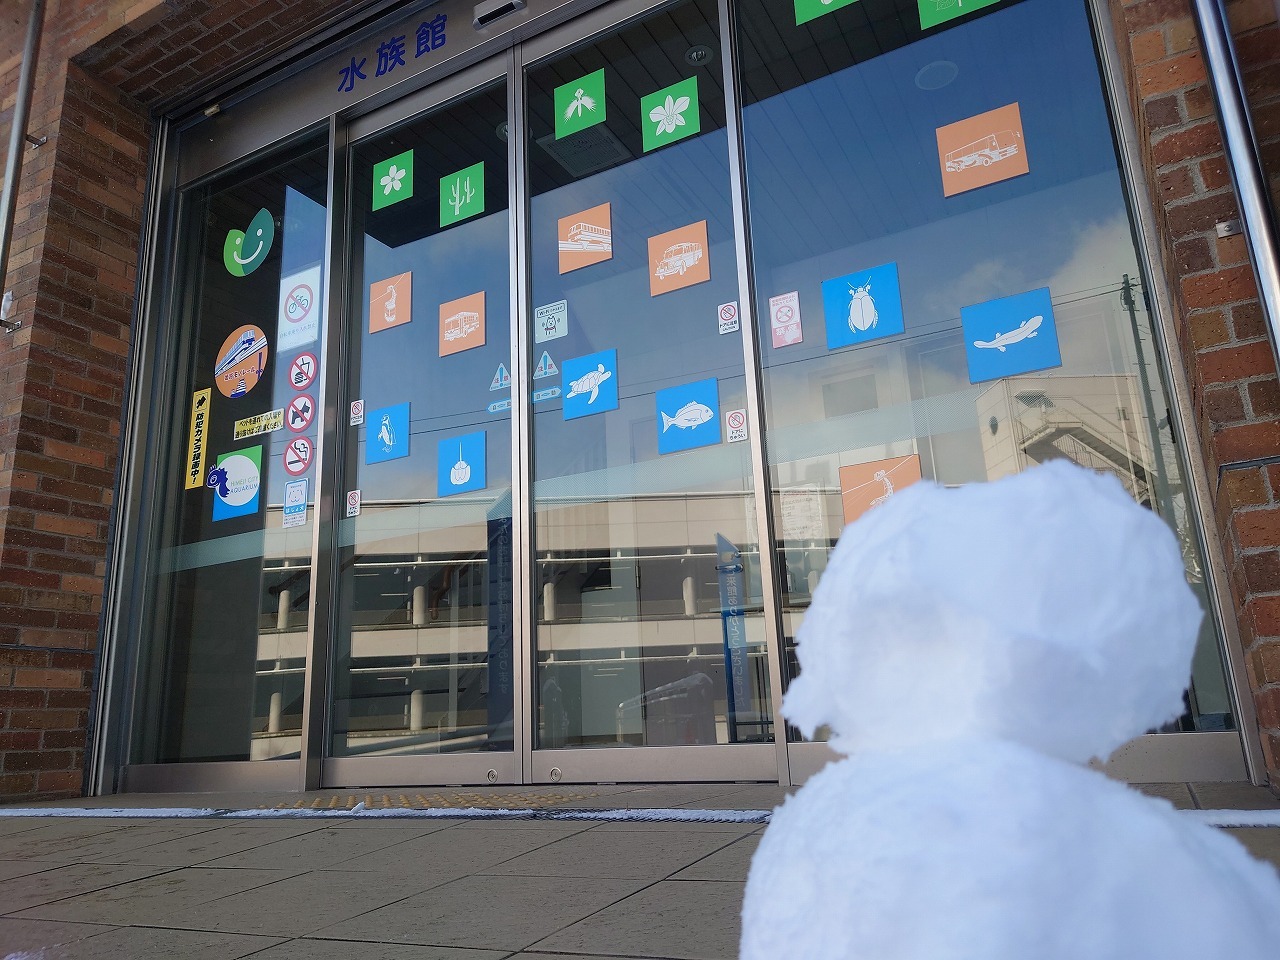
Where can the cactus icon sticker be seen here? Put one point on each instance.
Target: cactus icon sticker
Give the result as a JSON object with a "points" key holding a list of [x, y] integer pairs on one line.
{"points": [[244, 251]]}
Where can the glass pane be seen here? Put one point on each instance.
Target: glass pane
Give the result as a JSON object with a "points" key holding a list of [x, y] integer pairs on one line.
{"points": [[649, 629], [223, 660], [423, 656], [945, 271]]}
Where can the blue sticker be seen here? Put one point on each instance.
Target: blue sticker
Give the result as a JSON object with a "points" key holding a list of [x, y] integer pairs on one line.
{"points": [[591, 384], [388, 436], [1012, 335], [862, 306], [460, 464], [236, 479], [688, 416]]}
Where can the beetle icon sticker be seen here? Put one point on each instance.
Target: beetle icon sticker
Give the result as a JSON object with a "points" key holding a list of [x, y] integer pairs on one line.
{"points": [[244, 251]]}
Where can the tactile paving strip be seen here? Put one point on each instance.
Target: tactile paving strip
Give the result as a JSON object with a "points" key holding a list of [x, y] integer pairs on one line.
{"points": [[539, 800]]}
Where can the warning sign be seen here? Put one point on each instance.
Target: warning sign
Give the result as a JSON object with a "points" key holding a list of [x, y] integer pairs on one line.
{"points": [[297, 456], [353, 503], [357, 412], [727, 313], [735, 425], [195, 445], [299, 320], [300, 412], [546, 367], [302, 372], [262, 423]]}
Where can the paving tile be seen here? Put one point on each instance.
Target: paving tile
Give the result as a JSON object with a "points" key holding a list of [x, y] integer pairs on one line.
{"points": [[561, 828], [12, 825], [22, 845], [66, 880], [641, 854], [224, 840], [1179, 794], [23, 868], [1234, 796], [695, 919], [149, 943], [325, 847], [350, 949], [649, 797], [449, 854], [33, 936], [154, 900], [682, 826], [110, 846], [450, 915], [729, 863], [568, 956], [1262, 842]]}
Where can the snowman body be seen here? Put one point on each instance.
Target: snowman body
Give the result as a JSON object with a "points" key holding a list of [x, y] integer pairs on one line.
{"points": [[970, 650]]}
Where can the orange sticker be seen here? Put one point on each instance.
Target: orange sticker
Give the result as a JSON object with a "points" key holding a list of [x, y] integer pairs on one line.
{"points": [[982, 150], [390, 302], [241, 361], [585, 238], [867, 485], [462, 324], [679, 258]]}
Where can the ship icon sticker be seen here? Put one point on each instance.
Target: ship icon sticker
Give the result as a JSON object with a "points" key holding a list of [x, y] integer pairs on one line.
{"points": [[244, 251], [678, 259], [1009, 336], [388, 434], [982, 150], [591, 384], [862, 306], [460, 464], [585, 238], [462, 324], [688, 416], [390, 302], [241, 361]]}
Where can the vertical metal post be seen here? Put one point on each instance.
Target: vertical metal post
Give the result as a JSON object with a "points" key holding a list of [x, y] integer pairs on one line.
{"points": [[524, 633], [18, 133], [1242, 158], [774, 635]]}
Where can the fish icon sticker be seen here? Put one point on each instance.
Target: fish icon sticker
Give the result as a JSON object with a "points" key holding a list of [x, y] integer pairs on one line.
{"points": [[245, 251], [241, 361], [688, 416], [388, 434], [460, 464], [591, 384], [863, 306], [1011, 335]]}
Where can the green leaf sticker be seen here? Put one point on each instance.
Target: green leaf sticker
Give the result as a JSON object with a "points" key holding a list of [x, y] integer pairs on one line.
{"points": [[934, 12], [393, 180], [671, 114], [245, 250], [462, 194], [807, 10], [579, 104]]}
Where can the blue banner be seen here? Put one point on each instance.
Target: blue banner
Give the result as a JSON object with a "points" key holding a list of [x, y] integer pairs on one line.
{"points": [[732, 597]]}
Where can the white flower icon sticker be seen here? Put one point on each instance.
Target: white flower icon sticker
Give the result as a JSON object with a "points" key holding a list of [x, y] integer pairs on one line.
{"points": [[672, 113], [392, 180], [669, 115]]}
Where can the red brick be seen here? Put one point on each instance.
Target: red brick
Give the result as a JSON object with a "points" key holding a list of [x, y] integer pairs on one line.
{"points": [[1236, 363]]}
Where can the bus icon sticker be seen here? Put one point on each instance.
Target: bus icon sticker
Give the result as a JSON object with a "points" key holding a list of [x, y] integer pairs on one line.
{"points": [[585, 238], [678, 259], [462, 324], [982, 150]]}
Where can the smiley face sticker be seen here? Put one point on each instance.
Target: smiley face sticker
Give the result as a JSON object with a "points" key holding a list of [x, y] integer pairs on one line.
{"points": [[244, 251]]}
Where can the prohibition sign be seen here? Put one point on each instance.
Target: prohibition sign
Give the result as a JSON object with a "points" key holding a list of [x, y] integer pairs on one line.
{"points": [[784, 313], [302, 372], [297, 456], [736, 419], [300, 412], [728, 311], [298, 303]]}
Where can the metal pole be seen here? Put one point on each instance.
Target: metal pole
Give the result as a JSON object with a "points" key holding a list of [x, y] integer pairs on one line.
{"points": [[1242, 158], [17, 135]]}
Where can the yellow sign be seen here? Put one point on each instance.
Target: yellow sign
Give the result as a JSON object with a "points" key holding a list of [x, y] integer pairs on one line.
{"points": [[262, 423], [195, 447]]}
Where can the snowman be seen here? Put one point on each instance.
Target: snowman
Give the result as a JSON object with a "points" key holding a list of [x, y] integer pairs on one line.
{"points": [[970, 650]]}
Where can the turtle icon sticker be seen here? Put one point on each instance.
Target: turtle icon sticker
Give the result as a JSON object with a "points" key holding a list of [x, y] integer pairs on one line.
{"points": [[241, 361], [297, 456], [591, 384], [302, 372], [300, 412]]}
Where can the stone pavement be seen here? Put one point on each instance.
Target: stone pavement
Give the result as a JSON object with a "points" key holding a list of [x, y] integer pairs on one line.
{"points": [[395, 889]]}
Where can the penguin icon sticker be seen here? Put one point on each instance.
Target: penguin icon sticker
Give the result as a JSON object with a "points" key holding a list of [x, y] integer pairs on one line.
{"points": [[245, 250]]}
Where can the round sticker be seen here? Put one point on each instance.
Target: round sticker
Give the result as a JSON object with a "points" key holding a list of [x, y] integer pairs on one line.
{"points": [[736, 419], [241, 361], [300, 412], [297, 456], [235, 479], [728, 311], [302, 372]]}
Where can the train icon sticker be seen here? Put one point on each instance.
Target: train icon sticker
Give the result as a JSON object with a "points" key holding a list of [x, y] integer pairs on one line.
{"points": [[585, 238], [244, 251], [241, 361], [982, 150], [1011, 335]]}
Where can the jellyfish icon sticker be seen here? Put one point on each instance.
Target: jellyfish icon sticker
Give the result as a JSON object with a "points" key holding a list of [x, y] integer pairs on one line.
{"points": [[863, 306], [460, 464], [388, 437]]}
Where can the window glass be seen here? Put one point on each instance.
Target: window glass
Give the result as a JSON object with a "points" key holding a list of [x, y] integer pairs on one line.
{"points": [[946, 278]]}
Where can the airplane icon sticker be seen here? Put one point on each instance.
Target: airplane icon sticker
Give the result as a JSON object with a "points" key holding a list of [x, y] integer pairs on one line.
{"points": [[1011, 335]]}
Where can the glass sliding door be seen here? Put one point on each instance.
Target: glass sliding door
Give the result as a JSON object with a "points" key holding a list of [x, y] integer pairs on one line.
{"points": [[646, 569], [424, 661]]}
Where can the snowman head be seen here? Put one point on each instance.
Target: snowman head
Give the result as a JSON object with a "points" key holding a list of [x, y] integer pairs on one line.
{"points": [[1046, 608]]}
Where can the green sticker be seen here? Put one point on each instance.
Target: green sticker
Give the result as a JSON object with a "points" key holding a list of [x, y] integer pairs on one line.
{"points": [[807, 10], [244, 251], [671, 114], [579, 104], [462, 194], [934, 12], [393, 180]]}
